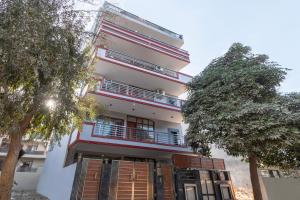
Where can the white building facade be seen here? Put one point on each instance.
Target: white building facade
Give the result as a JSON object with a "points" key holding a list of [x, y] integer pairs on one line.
{"points": [[136, 149]]}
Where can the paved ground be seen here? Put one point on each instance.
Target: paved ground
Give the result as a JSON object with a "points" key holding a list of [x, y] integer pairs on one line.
{"points": [[27, 195]]}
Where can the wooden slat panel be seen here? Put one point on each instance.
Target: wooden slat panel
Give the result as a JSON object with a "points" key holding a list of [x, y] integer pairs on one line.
{"points": [[207, 163], [141, 180], [92, 180], [132, 180], [219, 164], [125, 185], [167, 182]]}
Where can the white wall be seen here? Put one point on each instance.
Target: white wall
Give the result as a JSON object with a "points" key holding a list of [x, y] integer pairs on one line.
{"points": [[55, 181], [282, 188], [28, 180]]}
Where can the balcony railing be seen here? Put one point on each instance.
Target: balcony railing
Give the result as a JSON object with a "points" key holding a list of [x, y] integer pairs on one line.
{"points": [[5, 150], [146, 36], [140, 63], [137, 135], [128, 90], [118, 10]]}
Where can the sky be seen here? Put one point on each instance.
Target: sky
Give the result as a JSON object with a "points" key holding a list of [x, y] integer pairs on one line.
{"points": [[209, 27]]}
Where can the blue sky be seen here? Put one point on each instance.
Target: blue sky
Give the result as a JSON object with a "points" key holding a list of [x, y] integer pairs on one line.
{"points": [[209, 28]]}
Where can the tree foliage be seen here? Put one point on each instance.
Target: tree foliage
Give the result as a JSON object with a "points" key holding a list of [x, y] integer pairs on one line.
{"points": [[42, 59], [235, 103]]}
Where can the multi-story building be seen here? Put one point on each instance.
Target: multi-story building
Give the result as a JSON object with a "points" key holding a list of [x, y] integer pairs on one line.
{"points": [[131, 151], [30, 164]]}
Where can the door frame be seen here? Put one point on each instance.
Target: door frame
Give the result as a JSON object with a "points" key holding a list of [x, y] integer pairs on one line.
{"points": [[191, 184]]}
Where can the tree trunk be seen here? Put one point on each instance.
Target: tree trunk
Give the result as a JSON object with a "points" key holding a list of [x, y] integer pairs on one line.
{"points": [[254, 177], [8, 169], [11, 159]]}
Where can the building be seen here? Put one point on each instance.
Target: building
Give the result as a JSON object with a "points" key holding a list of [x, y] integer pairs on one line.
{"points": [[30, 164], [136, 150]]}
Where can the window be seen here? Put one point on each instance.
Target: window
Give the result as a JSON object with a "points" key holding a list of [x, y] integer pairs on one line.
{"points": [[207, 186], [26, 166], [140, 128], [225, 191], [141, 123], [107, 126], [191, 192]]}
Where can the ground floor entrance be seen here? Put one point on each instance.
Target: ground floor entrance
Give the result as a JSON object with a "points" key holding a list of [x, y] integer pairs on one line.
{"points": [[108, 179]]}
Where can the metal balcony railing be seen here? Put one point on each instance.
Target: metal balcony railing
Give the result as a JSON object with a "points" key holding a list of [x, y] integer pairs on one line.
{"points": [[118, 10], [138, 135], [140, 63], [128, 90]]}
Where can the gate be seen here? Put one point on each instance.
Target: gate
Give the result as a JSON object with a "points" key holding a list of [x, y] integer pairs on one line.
{"points": [[131, 180], [87, 179]]}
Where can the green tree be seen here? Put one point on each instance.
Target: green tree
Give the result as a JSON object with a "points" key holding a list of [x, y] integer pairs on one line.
{"points": [[42, 62], [235, 102]]}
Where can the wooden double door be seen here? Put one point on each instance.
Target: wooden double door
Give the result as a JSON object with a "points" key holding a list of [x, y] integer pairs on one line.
{"points": [[118, 180]]}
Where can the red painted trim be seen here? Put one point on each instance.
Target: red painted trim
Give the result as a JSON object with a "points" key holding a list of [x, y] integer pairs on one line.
{"points": [[157, 43], [134, 68], [130, 40], [128, 146], [121, 98]]}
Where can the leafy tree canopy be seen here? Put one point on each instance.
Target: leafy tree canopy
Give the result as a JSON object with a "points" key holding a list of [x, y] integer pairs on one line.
{"points": [[234, 102], [42, 61]]}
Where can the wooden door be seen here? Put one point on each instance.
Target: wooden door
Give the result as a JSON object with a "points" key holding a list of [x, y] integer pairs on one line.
{"points": [[131, 130], [131, 181], [167, 174], [87, 180]]}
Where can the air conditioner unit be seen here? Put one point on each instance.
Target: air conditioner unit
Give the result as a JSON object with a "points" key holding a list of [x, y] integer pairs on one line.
{"points": [[160, 91]]}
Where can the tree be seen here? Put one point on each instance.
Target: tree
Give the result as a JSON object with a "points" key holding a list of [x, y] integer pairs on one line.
{"points": [[235, 102], [42, 66]]}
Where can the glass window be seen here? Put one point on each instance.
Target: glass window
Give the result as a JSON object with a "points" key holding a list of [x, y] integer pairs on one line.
{"points": [[207, 185], [141, 123], [203, 187], [225, 193], [211, 197], [191, 192], [210, 188], [26, 166]]}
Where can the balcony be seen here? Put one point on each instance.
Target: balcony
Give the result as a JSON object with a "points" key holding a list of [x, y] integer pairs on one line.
{"points": [[119, 66], [142, 47], [99, 138], [29, 154], [131, 100], [139, 93], [136, 135], [142, 25]]}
